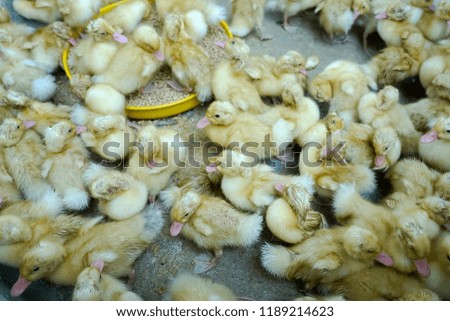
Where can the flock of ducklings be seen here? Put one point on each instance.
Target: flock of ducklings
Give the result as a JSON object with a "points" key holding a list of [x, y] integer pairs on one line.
{"points": [[395, 249]]}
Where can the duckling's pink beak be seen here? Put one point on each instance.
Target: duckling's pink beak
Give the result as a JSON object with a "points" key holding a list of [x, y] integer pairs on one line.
{"points": [[29, 123], [159, 55], [19, 287], [211, 168], [385, 259], [120, 38], [429, 137], [379, 161], [175, 229], [356, 15], [423, 267], [204, 122]]}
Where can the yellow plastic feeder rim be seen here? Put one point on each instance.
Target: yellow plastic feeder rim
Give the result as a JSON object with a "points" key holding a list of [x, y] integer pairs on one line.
{"points": [[149, 112]]}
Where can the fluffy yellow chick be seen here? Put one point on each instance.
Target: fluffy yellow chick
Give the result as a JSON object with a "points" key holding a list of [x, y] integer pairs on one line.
{"points": [[104, 99], [330, 124], [439, 280], [210, 222], [46, 11], [251, 186], [116, 244], [387, 146], [290, 217], [159, 154], [337, 17], [231, 80], [248, 16], [189, 287], [93, 285], [107, 135], [137, 61], [434, 76], [230, 127], [212, 12], [78, 13], [435, 24], [329, 255], [380, 283], [189, 62], [427, 111], [120, 195], [290, 8], [126, 16], [434, 147], [342, 84], [65, 163], [23, 154], [406, 235]]}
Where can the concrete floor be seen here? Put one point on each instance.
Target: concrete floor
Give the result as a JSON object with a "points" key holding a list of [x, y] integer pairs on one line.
{"points": [[240, 269]]}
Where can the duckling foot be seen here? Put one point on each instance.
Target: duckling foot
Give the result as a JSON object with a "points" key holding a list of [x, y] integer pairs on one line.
{"points": [[148, 88], [204, 262], [151, 199], [286, 25], [263, 36], [175, 85]]}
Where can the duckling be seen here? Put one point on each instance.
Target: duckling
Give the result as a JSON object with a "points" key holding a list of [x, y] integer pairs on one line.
{"points": [[104, 99], [327, 256], [331, 123], [434, 24], [107, 135], [248, 16], [330, 173], [434, 147], [227, 126], [12, 33], [406, 236], [159, 155], [434, 75], [116, 244], [379, 283], [342, 83], [189, 287], [43, 114], [358, 149], [137, 61], [24, 147], [212, 12], [439, 279], [93, 53], [46, 11], [189, 62], [210, 222], [274, 77], [93, 285], [337, 17], [47, 44], [427, 111], [290, 8], [290, 217], [387, 146], [251, 186], [413, 177], [231, 80], [65, 163], [78, 13], [126, 16], [120, 195]]}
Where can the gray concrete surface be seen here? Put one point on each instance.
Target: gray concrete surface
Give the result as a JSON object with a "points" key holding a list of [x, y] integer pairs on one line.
{"points": [[240, 269]]}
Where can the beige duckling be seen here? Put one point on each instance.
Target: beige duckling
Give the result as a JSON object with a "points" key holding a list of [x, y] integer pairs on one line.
{"points": [[434, 147], [120, 195], [248, 16], [189, 287], [46, 11], [210, 222], [327, 256], [159, 154], [93, 285], [116, 244], [64, 165]]}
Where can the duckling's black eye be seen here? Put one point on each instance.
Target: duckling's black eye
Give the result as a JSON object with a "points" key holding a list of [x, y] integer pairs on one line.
{"points": [[386, 148], [36, 269], [370, 251], [18, 126], [333, 122], [217, 115], [70, 130], [448, 131], [187, 214], [448, 257]]}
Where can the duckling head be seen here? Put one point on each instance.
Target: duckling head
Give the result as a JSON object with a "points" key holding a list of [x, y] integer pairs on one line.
{"points": [[183, 210], [57, 136], [320, 89], [88, 285], [11, 131], [221, 113], [385, 143], [388, 96], [146, 37], [236, 48]]}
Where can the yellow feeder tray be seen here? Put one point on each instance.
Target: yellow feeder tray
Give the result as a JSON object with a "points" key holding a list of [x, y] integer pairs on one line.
{"points": [[150, 112]]}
